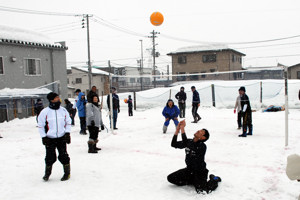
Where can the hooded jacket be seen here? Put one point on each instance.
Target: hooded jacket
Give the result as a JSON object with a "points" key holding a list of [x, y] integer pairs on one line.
{"points": [[81, 105], [170, 112]]}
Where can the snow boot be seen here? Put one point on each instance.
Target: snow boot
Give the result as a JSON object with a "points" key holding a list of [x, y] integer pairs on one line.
{"points": [[48, 171], [250, 130], [244, 132], [212, 184], [96, 148], [67, 171], [165, 129], [92, 145]]}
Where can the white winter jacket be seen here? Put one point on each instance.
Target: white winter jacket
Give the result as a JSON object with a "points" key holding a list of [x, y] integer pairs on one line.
{"points": [[57, 122]]}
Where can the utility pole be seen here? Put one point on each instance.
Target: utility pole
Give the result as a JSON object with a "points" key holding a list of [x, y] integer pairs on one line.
{"points": [[168, 72], [141, 63], [153, 36], [89, 51]]}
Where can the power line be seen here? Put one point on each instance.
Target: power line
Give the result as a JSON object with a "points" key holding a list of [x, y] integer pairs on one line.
{"points": [[27, 11]]}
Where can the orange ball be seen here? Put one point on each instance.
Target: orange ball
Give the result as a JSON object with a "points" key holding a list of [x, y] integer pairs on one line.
{"points": [[125, 100], [156, 18]]}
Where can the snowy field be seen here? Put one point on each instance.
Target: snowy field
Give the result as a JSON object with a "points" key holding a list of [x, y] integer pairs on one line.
{"points": [[134, 163]]}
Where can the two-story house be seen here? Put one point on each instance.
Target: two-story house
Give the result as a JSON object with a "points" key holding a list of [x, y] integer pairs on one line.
{"points": [[30, 60], [205, 59], [78, 78]]}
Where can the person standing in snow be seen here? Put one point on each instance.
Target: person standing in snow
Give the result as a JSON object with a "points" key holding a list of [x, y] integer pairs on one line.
{"points": [[91, 94], [237, 108], [129, 102], [69, 107], [246, 113], [94, 122], [195, 104], [115, 106], [170, 112], [54, 125], [195, 172], [38, 107], [181, 97], [74, 105], [81, 112]]}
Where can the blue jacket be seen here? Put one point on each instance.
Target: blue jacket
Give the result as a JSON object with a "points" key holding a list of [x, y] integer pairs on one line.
{"points": [[81, 105], [196, 97], [171, 112]]}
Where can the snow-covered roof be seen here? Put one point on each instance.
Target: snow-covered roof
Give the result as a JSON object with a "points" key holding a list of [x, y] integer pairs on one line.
{"points": [[203, 48], [7, 92], [94, 70], [26, 37]]}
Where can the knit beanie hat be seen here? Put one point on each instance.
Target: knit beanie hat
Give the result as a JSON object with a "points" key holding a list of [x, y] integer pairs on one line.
{"points": [[51, 96]]}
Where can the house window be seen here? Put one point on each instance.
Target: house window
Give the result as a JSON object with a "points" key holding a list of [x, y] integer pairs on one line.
{"points": [[233, 58], [68, 80], [298, 74], [1, 66], [203, 75], [182, 59], [182, 77], [132, 80], [78, 80], [194, 77], [32, 67], [209, 58]]}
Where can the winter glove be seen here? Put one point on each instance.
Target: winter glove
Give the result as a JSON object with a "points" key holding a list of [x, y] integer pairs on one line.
{"points": [[84, 103], [92, 123], [234, 111], [67, 138], [46, 141], [118, 110], [102, 127]]}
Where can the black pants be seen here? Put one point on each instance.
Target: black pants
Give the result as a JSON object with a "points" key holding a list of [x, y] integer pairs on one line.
{"points": [[239, 119], [61, 146], [182, 109], [82, 124], [188, 177], [247, 122], [130, 111], [194, 112], [94, 131]]}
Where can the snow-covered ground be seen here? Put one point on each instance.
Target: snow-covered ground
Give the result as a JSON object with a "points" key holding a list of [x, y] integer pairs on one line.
{"points": [[134, 163]]}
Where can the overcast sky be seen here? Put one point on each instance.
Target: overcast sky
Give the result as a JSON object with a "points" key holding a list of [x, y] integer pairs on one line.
{"points": [[210, 21]]}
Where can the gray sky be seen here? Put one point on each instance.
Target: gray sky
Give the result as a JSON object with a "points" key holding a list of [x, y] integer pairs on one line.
{"points": [[230, 21]]}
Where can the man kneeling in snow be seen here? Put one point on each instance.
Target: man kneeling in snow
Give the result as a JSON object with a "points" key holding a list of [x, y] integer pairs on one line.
{"points": [[195, 173]]}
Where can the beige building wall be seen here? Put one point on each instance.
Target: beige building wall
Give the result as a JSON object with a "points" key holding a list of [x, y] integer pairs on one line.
{"points": [[225, 61], [294, 72]]}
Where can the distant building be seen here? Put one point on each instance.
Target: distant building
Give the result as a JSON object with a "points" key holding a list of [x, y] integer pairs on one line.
{"points": [[294, 71], [129, 80], [206, 59], [78, 78], [263, 73], [30, 60]]}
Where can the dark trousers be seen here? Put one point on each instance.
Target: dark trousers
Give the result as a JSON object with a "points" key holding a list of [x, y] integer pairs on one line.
{"points": [[247, 123], [130, 111], [182, 109], [82, 124], [61, 146], [239, 119], [94, 131], [188, 177], [115, 117], [194, 112], [73, 120]]}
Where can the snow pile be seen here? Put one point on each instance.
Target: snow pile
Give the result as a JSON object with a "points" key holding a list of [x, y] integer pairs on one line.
{"points": [[94, 70], [13, 33], [210, 47]]}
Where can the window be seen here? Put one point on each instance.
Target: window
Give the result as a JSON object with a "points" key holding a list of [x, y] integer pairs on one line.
{"points": [[233, 58], [1, 66], [132, 80], [238, 75], [78, 80], [182, 77], [209, 58], [32, 67], [194, 77], [203, 75], [68, 80], [182, 59], [212, 70], [298, 74]]}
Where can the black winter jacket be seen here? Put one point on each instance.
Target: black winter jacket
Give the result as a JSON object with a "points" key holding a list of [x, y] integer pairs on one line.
{"points": [[181, 97], [195, 152], [115, 102]]}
